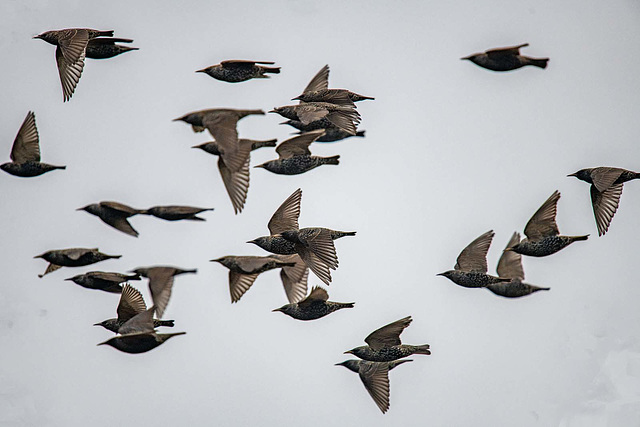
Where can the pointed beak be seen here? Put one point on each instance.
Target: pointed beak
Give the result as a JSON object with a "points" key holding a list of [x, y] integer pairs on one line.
{"points": [[102, 343], [466, 57], [348, 352], [273, 111], [97, 324], [177, 120], [38, 256], [508, 250], [296, 98], [252, 241], [259, 166], [204, 70], [70, 278], [573, 174], [215, 260], [37, 37], [440, 274], [283, 123], [276, 309]]}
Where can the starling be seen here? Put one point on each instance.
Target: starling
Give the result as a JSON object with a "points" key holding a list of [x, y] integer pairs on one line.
{"points": [[237, 70], [25, 153], [606, 189], [315, 306], [176, 213], [314, 245], [70, 53], [161, 283], [236, 183], [72, 257], [131, 304], [243, 271], [375, 377], [385, 345], [505, 59], [341, 113], [470, 270], [221, 123], [106, 47], [318, 90], [332, 133], [295, 157], [543, 237], [114, 214], [138, 335], [103, 280], [510, 266]]}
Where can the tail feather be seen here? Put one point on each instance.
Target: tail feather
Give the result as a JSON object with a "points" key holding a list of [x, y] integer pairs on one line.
{"points": [[423, 349], [335, 160], [578, 238], [538, 62], [273, 70], [167, 323], [105, 33], [360, 133]]}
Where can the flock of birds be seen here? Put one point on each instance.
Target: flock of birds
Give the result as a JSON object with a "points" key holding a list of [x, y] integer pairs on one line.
{"points": [[322, 115]]}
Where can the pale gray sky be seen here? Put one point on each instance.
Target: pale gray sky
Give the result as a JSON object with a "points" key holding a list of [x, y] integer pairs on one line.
{"points": [[452, 150]]}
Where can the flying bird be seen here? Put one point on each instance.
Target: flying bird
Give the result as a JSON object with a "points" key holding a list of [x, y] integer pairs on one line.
{"points": [[106, 47], [114, 214], [295, 157], [510, 267], [375, 377], [70, 53], [313, 307], [176, 213], [318, 90], [606, 189], [505, 59], [385, 345], [543, 236], [161, 283], [341, 113], [238, 70], [72, 257], [131, 304], [103, 280], [25, 153], [470, 270]]}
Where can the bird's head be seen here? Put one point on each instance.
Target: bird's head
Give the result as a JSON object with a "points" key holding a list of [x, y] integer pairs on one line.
{"points": [[92, 208], [48, 36], [582, 174], [446, 274], [260, 241]]}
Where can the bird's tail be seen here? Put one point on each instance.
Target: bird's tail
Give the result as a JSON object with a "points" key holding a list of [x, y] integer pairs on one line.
{"points": [[273, 70], [260, 144], [538, 62], [244, 113], [113, 256], [335, 160], [335, 234], [360, 133], [422, 349], [59, 167], [167, 323], [164, 337], [105, 33], [578, 238], [346, 304], [398, 362]]}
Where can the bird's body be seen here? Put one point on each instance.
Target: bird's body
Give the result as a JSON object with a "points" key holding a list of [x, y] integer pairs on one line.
{"points": [[139, 342], [505, 59], [72, 257], [343, 116], [25, 152], [114, 214], [606, 189], [176, 213], [318, 90], [471, 279], [103, 280], [212, 146], [332, 133], [235, 71], [546, 245], [313, 307], [514, 289], [278, 244], [106, 47], [114, 324]]}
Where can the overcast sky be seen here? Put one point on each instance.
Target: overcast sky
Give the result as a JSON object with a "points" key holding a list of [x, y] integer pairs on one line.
{"points": [[452, 150]]}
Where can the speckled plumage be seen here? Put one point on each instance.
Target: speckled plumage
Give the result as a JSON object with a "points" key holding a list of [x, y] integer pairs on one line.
{"points": [[176, 213], [106, 47], [103, 280], [545, 246], [114, 214], [139, 342], [298, 164], [318, 90], [505, 59], [313, 307], [471, 279], [342, 116], [72, 257], [236, 71]]}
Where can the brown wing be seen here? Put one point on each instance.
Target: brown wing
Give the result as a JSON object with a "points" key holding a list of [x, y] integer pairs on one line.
{"points": [[343, 120], [222, 126], [605, 205], [315, 264], [375, 377], [160, 285], [319, 242], [50, 269], [140, 323], [26, 146], [510, 263], [70, 55], [388, 335], [604, 177], [236, 183], [294, 279], [131, 303], [512, 50], [298, 145], [319, 82], [474, 256], [239, 284], [309, 115], [286, 216], [119, 207], [543, 222], [121, 224], [73, 44], [317, 294]]}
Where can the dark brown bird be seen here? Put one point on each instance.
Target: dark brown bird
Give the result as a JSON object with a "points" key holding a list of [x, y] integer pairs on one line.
{"points": [[510, 267], [25, 152], [72, 257], [543, 236], [340, 113], [131, 304], [106, 47], [161, 283], [313, 307], [470, 270], [244, 270], [238, 70], [606, 189], [236, 183], [103, 280], [318, 90], [221, 123], [505, 59], [375, 377], [176, 213], [70, 53], [314, 244], [114, 214], [295, 157], [385, 345]]}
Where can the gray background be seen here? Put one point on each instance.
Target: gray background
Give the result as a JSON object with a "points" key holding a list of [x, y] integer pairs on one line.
{"points": [[452, 150]]}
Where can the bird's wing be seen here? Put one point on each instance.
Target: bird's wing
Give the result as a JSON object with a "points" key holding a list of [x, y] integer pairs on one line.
{"points": [[50, 269], [543, 222], [140, 323], [75, 254], [249, 264], [375, 377], [131, 303], [310, 115], [344, 120], [511, 50], [338, 97], [70, 55], [160, 285], [73, 44], [474, 256], [26, 146], [604, 177], [222, 126], [510, 263], [315, 264], [236, 183], [319, 82], [119, 207], [294, 279], [319, 242], [241, 63], [298, 145], [121, 224], [605, 205], [388, 335], [239, 284], [317, 294], [286, 216]]}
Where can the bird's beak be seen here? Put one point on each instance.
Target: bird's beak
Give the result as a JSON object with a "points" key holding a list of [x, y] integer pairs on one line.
{"points": [[348, 352], [283, 123], [177, 120], [276, 309], [466, 57], [272, 111], [102, 343], [37, 37], [215, 260], [296, 98], [97, 324], [252, 241], [38, 256], [572, 174], [204, 70], [259, 166], [508, 250], [70, 278], [440, 274]]}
